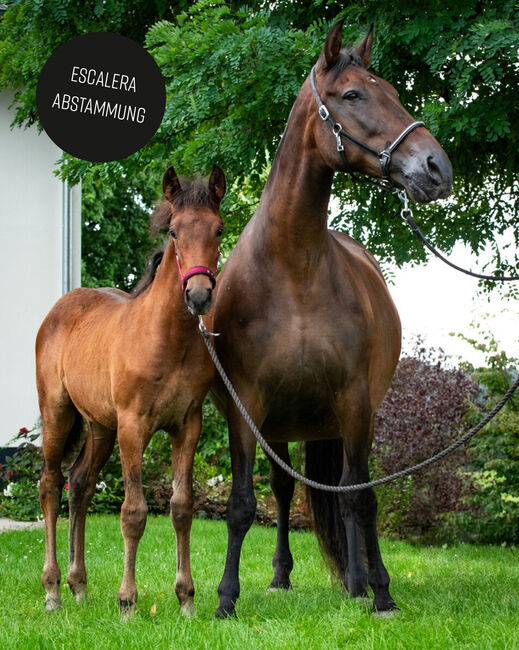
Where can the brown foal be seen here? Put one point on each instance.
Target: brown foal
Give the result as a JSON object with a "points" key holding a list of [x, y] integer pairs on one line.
{"points": [[130, 365], [309, 334]]}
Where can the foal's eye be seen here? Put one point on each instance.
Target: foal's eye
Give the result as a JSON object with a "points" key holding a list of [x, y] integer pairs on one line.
{"points": [[173, 234], [351, 95], [219, 232]]}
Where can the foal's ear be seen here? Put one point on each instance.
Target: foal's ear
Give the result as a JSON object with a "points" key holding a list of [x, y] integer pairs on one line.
{"points": [[332, 46], [363, 49], [170, 184], [217, 183]]}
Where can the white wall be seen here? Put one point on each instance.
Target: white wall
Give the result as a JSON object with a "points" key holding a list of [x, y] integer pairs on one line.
{"points": [[31, 255]]}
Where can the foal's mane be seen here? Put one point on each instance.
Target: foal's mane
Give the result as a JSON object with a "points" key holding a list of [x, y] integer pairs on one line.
{"points": [[194, 193], [348, 56]]}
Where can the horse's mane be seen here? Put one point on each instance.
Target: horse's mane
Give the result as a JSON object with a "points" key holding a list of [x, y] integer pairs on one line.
{"points": [[194, 194], [149, 273]]}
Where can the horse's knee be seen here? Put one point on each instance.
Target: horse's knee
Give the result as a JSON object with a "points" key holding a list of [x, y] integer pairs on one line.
{"points": [[133, 518], [241, 509]]}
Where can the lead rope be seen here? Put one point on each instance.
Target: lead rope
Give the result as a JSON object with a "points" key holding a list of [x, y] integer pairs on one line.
{"points": [[343, 488], [407, 214]]}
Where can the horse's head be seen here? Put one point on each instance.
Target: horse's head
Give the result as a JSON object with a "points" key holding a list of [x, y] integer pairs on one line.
{"points": [[367, 108], [196, 228]]}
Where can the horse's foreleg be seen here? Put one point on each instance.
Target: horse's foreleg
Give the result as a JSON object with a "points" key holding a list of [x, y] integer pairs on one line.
{"points": [[133, 439], [283, 487], [360, 507], [241, 508], [57, 424], [182, 454], [83, 476]]}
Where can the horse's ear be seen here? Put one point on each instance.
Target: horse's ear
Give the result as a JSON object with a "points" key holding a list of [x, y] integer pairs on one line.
{"points": [[332, 47], [363, 49], [170, 184], [217, 183]]}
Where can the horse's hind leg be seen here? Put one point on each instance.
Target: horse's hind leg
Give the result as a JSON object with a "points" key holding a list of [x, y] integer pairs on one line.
{"points": [[283, 487], [82, 480], [182, 455], [58, 420]]}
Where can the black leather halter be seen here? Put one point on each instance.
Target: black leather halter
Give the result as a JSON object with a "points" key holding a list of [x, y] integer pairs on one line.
{"points": [[384, 156]]}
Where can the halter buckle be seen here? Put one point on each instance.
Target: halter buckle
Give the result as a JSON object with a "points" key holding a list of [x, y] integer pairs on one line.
{"points": [[324, 113], [337, 128]]}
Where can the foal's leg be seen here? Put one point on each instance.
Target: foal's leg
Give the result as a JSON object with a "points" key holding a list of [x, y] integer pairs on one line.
{"points": [[83, 476], [360, 507], [283, 487], [182, 454], [241, 508], [57, 423], [133, 439]]}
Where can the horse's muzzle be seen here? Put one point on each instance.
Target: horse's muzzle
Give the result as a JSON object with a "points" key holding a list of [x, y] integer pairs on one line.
{"points": [[198, 300]]}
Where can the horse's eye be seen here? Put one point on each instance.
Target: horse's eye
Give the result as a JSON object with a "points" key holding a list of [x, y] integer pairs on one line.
{"points": [[173, 234], [351, 95], [219, 232]]}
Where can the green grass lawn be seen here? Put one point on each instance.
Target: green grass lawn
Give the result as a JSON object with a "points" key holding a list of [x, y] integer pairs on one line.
{"points": [[457, 597]]}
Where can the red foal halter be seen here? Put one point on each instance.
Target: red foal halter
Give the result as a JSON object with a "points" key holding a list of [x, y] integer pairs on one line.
{"points": [[196, 270]]}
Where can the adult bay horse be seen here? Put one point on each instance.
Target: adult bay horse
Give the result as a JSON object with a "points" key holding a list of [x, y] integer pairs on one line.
{"points": [[130, 365], [309, 334]]}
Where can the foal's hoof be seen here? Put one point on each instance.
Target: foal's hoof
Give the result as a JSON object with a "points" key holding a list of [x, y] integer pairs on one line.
{"points": [[80, 594], [52, 604], [188, 609], [224, 612], [127, 609], [363, 600]]}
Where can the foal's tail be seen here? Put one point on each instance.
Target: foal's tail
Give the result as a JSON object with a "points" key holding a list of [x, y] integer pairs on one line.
{"points": [[74, 443], [324, 460]]}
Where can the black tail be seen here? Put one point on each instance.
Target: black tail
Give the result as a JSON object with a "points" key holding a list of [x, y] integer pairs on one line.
{"points": [[324, 463]]}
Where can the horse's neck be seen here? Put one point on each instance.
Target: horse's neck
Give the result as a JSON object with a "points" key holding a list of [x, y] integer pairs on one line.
{"points": [[294, 203], [164, 301]]}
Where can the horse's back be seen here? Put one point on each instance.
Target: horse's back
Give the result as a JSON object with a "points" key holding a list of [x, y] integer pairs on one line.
{"points": [[70, 322]]}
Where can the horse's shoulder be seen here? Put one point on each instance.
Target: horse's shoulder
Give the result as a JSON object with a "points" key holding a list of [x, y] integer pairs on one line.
{"points": [[356, 249]]}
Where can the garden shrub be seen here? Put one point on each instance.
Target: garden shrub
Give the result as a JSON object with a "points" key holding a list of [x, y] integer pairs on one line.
{"points": [[423, 412]]}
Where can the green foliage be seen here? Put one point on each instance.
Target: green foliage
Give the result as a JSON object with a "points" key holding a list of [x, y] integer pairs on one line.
{"points": [[492, 505], [233, 72]]}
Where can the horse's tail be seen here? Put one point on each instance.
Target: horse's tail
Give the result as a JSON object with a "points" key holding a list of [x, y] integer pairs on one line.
{"points": [[324, 463], [74, 443]]}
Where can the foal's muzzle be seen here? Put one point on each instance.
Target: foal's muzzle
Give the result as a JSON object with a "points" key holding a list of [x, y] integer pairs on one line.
{"points": [[198, 300]]}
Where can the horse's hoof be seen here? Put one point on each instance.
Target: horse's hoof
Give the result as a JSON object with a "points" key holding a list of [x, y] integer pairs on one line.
{"points": [[188, 609], [277, 585], [362, 600], [52, 604], [223, 612], [385, 613], [127, 609], [81, 595]]}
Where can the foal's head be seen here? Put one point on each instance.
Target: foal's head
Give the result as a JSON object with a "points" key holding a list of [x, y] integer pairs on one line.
{"points": [[196, 228], [368, 108]]}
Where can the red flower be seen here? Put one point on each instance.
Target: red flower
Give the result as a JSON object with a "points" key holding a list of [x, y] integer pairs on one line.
{"points": [[23, 431], [66, 486]]}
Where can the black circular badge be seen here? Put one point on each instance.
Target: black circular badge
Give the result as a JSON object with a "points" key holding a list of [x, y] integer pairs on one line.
{"points": [[100, 97]]}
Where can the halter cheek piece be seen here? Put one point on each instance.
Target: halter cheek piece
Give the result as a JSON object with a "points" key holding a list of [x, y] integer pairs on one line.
{"points": [[196, 270], [384, 156]]}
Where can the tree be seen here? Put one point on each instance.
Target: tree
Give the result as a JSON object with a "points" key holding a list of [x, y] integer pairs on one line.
{"points": [[233, 73]]}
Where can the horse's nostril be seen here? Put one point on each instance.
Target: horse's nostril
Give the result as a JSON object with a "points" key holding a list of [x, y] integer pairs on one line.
{"points": [[434, 170]]}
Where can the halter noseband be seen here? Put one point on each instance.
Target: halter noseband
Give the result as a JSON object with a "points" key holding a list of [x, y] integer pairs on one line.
{"points": [[195, 270], [384, 156]]}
